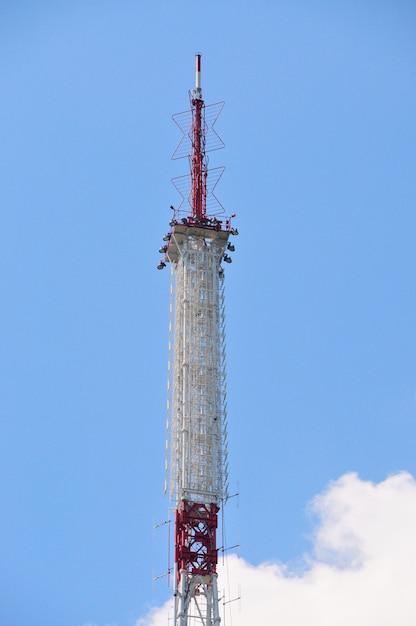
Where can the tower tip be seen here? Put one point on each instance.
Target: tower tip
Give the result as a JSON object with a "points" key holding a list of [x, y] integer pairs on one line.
{"points": [[198, 73]]}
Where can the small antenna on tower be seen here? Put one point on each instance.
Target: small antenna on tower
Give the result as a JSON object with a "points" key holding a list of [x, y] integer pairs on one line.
{"points": [[198, 89]]}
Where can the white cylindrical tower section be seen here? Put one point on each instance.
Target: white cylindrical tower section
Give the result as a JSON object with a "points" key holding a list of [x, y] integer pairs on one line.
{"points": [[198, 428]]}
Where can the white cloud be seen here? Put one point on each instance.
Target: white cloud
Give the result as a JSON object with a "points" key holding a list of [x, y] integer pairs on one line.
{"points": [[361, 570]]}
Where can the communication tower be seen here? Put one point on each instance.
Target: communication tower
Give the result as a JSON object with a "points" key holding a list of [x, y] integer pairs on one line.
{"points": [[196, 247]]}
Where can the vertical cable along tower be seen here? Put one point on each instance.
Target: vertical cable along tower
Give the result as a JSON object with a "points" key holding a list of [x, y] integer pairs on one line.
{"points": [[196, 465]]}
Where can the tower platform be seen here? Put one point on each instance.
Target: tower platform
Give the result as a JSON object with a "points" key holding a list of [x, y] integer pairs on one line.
{"points": [[180, 232]]}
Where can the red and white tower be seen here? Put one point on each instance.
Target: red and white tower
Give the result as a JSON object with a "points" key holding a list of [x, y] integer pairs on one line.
{"points": [[196, 247]]}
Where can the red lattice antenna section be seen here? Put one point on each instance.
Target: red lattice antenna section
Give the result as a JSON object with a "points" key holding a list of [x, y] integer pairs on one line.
{"points": [[198, 137], [183, 185], [210, 114]]}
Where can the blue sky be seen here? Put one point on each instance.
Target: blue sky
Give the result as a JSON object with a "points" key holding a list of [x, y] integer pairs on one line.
{"points": [[319, 127]]}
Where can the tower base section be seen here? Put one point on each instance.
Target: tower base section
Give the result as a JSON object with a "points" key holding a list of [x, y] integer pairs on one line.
{"points": [[196, 601], [196, 557]]}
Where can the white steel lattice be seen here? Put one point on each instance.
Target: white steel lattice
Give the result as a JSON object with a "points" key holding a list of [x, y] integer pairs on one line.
{"points": [[197, 458], [197, 602]]}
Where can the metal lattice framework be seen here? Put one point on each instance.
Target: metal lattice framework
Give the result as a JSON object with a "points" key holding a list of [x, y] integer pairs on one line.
{"points": [[196, 460], [197, 391]]}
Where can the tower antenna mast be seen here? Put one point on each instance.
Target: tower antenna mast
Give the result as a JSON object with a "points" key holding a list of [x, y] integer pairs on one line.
{"points": [[196, 247], [199, 170]]}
